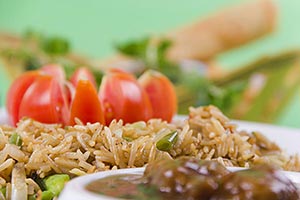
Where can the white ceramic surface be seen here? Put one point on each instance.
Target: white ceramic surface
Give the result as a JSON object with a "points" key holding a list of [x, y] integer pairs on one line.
{"points": [[286, 138]]}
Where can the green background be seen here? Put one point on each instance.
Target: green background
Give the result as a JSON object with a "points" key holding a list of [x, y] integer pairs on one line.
{"points": [[94, 26]]}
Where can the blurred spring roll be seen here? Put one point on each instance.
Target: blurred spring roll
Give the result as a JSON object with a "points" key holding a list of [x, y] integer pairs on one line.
{"points": [[225, 30]]}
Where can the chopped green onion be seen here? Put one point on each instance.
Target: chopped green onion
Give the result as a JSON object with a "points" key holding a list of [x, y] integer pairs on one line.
{"points": [[3, 191], [15, 139], [47, 195], [56, 183], [166, 143]]}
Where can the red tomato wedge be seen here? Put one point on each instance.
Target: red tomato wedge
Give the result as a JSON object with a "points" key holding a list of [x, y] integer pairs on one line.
{"points": [[58, 72], [44, 101], [16, 92], [54, 70], [83, 73], [161, 93], [123, 98], [86, 104]]}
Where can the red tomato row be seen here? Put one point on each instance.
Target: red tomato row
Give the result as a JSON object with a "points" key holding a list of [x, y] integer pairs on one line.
{"points": [[47, 96]]}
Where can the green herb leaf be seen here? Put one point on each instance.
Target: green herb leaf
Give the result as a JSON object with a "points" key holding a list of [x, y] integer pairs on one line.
{"points": [[134, 48], [56, 46]]}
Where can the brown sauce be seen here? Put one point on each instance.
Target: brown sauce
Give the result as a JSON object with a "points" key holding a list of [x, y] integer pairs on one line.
{"points": [[127, 186], [194, 179]]}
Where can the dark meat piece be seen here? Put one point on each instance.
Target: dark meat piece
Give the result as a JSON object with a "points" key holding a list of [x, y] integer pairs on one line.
{"points": [[261, 182], [186, 178]]}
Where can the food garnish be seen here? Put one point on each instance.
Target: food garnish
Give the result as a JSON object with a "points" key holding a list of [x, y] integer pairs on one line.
{"points": [[47, 96]]}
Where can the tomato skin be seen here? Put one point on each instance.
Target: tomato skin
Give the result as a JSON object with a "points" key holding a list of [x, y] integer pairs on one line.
{"points": [[16, 92], [54, 70], [123, 98], [86, 104], [58, 72], [83, 73], [161, 93], [44, 101]]}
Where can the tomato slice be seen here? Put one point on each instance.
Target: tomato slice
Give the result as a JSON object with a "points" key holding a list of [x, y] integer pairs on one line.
{"points": [[44, 101], [86, 104], [123, 98], [83, 73], [161, 93], [54, 70], [58, 72], [16, 92]]}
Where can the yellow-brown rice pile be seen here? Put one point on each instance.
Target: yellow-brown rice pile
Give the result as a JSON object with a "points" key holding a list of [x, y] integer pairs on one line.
{"points": [[206, 134]]}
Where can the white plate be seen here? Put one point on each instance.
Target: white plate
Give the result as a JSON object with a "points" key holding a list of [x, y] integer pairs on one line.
{"points": [[286, 138]]}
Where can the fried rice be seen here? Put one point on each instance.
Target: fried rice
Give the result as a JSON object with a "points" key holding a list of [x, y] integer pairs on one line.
{"points": [[77, 150]]}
